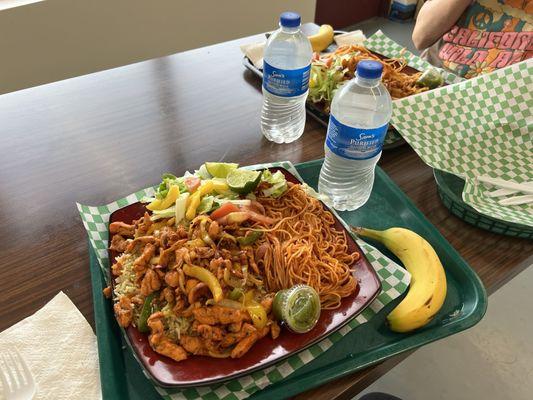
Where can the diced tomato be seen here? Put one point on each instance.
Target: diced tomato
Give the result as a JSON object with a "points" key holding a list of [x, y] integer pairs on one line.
{"points": [[192, 183], [224, 210]]}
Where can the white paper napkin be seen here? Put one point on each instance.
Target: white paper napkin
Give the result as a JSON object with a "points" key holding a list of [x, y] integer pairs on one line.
{"points": [[355, 38], [59, 346], [254, 52]]}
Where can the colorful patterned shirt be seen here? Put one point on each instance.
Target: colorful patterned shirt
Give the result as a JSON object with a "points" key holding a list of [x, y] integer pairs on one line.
{"points": [[490, 34]]}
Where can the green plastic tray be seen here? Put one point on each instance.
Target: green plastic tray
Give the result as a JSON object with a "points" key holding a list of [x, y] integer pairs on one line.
{"points": [[450, 189], [465, 305]]}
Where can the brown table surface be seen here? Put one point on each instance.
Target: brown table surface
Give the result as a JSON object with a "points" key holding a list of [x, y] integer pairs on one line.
{"points": [[99, 137]]}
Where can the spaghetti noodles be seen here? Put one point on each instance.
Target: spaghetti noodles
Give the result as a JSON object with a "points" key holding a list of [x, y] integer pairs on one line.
{"points": [[304, 247]]}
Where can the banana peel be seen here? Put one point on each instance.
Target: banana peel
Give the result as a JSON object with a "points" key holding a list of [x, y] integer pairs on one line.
{"points": [[321, 40], [427, 291]]}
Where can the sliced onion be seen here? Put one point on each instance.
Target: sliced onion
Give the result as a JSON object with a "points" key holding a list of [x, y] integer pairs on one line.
{"points": [[231, 281], [203, 233], [230, 304]]}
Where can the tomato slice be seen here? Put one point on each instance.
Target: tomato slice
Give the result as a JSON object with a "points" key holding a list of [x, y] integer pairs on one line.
{"points": [[192, 183], [224, 210]]}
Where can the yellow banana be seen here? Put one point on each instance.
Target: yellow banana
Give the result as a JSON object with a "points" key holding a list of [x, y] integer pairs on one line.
{"points": [[322, 39], [427, 291]]}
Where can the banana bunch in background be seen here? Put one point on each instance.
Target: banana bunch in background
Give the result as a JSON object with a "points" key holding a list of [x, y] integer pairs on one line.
{"points": [[427, 290]]}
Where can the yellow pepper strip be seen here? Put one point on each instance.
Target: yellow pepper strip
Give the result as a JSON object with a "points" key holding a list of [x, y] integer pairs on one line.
{"points": [[196, 197], [206, 187], [206, 277], [194, 202], [257, 311], [220, 187], [248, 296], [155, 205], [170, 198]]}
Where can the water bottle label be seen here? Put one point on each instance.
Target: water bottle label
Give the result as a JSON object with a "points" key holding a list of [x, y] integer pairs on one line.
{"points": [[285, 82], [354, 143]]}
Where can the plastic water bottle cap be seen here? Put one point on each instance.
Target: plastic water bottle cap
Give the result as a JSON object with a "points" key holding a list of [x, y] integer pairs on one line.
{"points": [[289, 19], [369, 69]]}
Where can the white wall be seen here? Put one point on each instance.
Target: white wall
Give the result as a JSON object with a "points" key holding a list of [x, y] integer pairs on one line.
{"points": [[58, 39]]}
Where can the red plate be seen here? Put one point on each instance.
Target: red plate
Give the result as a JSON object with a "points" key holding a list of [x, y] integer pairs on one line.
{"points": [[200, 370]]}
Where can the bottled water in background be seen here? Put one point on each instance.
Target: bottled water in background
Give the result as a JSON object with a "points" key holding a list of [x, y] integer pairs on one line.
{"points": [[286, 67], [359, 118]]}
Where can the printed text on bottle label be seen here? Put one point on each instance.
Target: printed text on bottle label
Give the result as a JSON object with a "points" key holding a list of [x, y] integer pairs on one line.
{"points": [[285, 83], [354, 143]]}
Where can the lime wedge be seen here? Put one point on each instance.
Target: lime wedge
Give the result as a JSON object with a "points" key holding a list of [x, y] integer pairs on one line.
{"points": [[220, 169], [243, 181]]}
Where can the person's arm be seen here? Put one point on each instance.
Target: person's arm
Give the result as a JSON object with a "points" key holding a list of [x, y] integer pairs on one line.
{"points": [[435, 18]]}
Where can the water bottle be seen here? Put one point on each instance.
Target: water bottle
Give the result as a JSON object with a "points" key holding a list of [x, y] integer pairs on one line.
{"points": [[286, 67], [358, 122]]}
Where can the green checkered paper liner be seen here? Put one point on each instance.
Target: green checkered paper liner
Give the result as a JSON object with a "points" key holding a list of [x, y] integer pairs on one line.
{"points": [[394, 281], [481, 126], [382, 44]]}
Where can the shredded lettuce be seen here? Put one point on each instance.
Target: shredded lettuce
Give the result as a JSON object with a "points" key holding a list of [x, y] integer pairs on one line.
{"points": [[202, 173], [278, 182], [325, 80], [207, 204], [313, 193], [276, 190], [166, 213], [176, 210], [229, 195], [324, 83], [167, 181]]}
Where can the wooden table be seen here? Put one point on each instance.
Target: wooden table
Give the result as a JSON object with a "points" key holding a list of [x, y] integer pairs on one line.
{"points": [[99, 137]]}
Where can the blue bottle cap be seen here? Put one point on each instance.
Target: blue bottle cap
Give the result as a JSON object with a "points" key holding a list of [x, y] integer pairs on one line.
{"points": [[369, 69], [289, 19]]}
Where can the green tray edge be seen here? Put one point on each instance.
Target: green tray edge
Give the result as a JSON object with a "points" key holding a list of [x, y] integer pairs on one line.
{"points": [[110, 344], [452, 186]]}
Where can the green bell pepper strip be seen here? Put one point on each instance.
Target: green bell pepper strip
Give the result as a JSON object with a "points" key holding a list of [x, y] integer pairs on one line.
{"points": [[146, 311], [250, 238]]}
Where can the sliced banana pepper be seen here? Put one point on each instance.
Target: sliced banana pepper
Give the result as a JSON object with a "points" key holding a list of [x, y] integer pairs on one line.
{"points": [[206, 277], [220, 187], [170, 198], [257, 311], [196, 197]]}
